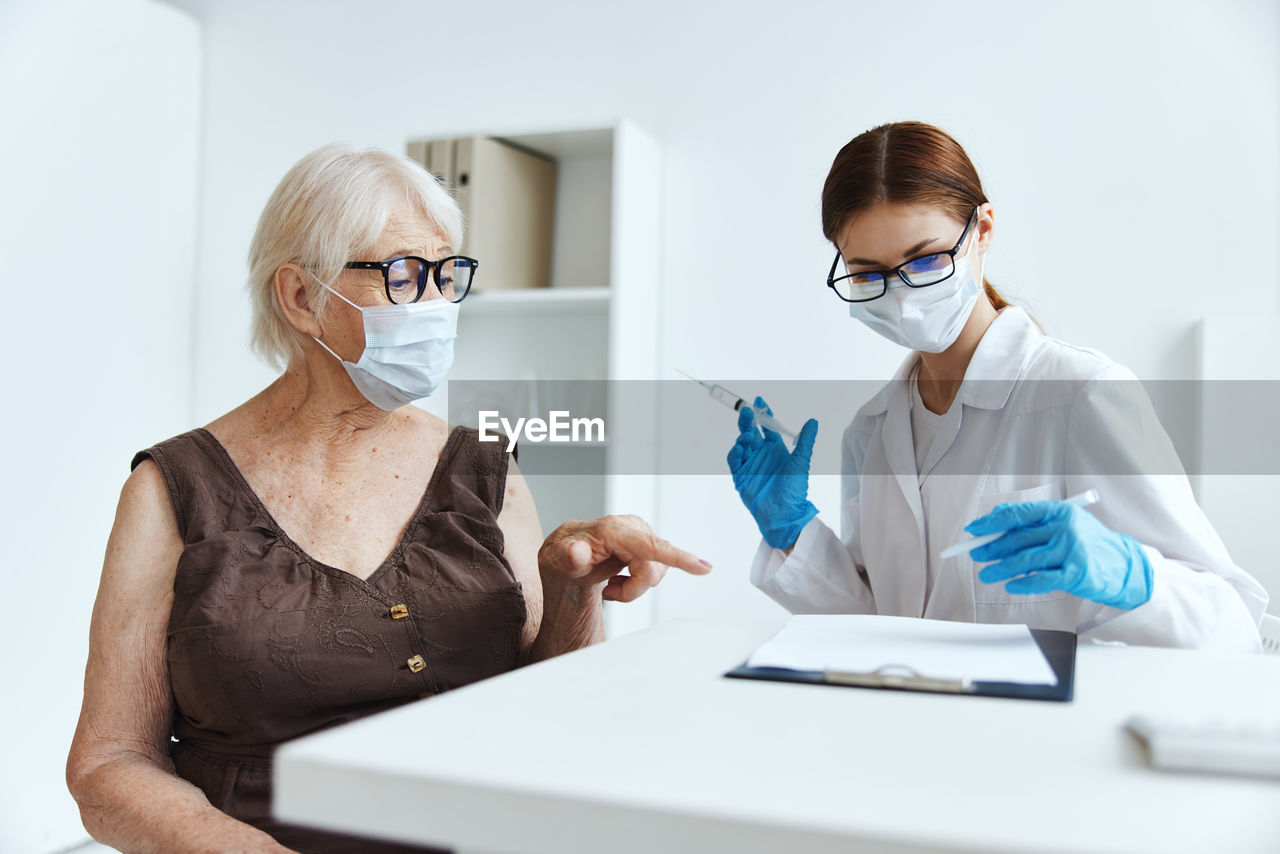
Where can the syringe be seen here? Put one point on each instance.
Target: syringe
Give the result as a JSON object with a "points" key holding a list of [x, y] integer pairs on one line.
{"points": [[763, 419]]}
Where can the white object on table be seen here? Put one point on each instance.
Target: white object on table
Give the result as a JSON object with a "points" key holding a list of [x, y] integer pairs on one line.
{"points": [[936, 649], [639, 745], [1226, 745], [1270, 631]]}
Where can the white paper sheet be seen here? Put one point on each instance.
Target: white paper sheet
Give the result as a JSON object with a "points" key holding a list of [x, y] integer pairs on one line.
{"points": [[937, 649]]}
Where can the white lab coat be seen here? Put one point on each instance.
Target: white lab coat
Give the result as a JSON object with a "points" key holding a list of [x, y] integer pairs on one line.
{"points": [[1039, 419]]}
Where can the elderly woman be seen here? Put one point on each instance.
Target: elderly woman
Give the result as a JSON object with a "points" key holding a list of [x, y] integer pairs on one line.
{"points": [[323, 551]]}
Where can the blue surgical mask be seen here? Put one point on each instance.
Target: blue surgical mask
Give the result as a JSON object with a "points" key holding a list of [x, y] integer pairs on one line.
{"points": [[408, 349]]}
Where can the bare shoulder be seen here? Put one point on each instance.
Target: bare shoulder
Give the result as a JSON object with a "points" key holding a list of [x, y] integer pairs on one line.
{"points": [[127, 706], [144, 544], [263, 406], [135, 595], [425, 427], [145, 500], [240, 432]]}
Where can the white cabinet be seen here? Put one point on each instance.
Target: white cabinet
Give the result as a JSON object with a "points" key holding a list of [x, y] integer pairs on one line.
{"points": [[598, 321]]}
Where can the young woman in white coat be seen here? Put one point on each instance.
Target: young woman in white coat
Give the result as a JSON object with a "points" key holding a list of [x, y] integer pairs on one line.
{"points": [[987, 427]]}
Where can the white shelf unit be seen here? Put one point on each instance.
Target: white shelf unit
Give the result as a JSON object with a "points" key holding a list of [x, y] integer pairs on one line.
{"points": [[538, 301], [598, 321]]}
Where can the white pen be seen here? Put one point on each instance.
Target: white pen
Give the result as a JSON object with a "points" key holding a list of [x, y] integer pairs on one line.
{"points": [[1084, 499]]}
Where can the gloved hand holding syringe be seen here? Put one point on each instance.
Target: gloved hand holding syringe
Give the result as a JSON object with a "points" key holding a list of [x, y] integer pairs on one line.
{"points": [[762, 416], [772, 481]]}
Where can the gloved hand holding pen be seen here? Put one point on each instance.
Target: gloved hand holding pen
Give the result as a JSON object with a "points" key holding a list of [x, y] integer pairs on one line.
{"points": [[1055, 545], [772, 481]]}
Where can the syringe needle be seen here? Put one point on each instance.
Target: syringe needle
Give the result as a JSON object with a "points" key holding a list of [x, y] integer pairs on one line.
{"points": [[695, 379], [762, 417]]}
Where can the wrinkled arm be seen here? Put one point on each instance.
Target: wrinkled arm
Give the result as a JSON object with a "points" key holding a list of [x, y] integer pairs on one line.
{"points": [[561, 616], [573, 618], [582, 564], [119, 770]]}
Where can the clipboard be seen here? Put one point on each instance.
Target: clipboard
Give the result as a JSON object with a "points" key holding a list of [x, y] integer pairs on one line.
{"points": [[1059, 650]]}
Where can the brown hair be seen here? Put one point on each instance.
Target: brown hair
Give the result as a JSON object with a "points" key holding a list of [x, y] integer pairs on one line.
{"points": [[902, 162]]}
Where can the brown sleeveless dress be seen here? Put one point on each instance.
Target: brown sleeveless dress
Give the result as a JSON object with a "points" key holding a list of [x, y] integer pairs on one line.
{"points": [[267, 644]]}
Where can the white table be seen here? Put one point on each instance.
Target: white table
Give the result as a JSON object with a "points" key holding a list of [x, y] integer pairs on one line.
{"points": [[638, 745]]}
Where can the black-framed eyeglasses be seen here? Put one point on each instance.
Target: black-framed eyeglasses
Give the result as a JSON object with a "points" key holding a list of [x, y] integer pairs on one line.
{"points": [[406, 278], [919, 272]]}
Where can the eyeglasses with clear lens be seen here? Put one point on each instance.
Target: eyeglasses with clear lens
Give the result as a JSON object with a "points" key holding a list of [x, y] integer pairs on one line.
{"points": [[406, 278], [919, 272], [453, 277]]}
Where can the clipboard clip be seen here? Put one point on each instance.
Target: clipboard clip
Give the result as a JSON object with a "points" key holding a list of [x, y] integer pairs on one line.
{"points": [[898, 676]]}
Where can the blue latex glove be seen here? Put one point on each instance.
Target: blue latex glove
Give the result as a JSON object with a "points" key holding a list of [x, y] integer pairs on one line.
{"points": [[1066, 548], [772, 481]]}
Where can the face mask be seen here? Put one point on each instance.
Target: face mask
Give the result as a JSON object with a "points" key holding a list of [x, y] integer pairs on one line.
{"points": [[408, 349], [928, 319]]}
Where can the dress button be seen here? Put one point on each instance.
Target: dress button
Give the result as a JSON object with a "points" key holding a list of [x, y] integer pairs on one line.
{"points": [[417, 663], [399, 612]]}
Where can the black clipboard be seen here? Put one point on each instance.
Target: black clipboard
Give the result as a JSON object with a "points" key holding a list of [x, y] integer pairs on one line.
{"points": [[1059, 649]]}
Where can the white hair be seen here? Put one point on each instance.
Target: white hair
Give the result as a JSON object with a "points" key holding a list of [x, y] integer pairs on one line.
{"points": [[331, 207]]}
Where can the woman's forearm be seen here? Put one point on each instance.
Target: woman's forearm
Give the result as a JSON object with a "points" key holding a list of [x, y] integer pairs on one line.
{"points": [[573, 617], [133, 805]]}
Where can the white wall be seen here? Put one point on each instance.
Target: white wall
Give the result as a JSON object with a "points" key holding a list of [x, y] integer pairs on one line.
{"points": [[98, 105], [1128, 148], [1234, 348]]}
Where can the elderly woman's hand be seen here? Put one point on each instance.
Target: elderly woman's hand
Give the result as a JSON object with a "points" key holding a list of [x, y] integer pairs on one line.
{"points": [[594, 552]]}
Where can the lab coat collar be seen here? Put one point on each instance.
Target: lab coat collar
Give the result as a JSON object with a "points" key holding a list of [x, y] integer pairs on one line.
{"points": [[896, 387], [999, 359], [995, 367]]}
